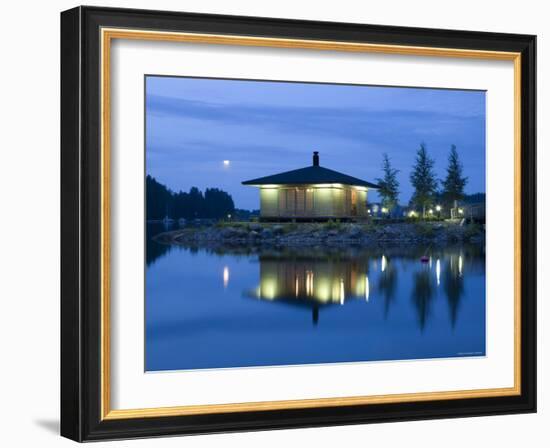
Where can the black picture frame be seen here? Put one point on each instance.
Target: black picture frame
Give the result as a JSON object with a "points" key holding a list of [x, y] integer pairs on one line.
{"points": [[81, 224]]}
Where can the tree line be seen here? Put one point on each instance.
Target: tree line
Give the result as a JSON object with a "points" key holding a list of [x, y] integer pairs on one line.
{"points": [[161, 202], [428, 189]]}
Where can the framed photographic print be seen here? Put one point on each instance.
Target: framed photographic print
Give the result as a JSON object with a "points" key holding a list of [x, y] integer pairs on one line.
{"points": [[274, 223]]}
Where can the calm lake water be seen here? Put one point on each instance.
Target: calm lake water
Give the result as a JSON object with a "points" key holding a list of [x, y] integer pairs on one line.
{"points": [[238, 307]]}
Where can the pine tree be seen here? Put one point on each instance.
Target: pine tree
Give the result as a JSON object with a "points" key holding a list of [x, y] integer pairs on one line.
{"points": [[454, 183], [423, 180], [159, 200], [389, 185]]}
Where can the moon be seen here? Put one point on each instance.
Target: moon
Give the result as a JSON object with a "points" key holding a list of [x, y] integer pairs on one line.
{"points": [[226, 163]]}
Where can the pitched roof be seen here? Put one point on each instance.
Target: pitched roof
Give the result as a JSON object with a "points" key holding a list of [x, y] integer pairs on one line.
{"points": [[310, 175]]}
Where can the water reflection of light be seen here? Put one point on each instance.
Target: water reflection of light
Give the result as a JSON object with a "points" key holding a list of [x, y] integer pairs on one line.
{"points": [[367, 288], [460, 265], [269, 288], [225, 276], [336, 296], [430, 262], [322, 290], [309, 283], [313, 281], [383, 263], [437, 270]]}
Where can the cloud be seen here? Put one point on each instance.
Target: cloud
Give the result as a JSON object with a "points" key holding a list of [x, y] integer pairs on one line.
{"points": [[333, 121]]}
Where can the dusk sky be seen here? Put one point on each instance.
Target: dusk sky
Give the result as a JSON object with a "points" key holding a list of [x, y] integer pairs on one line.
{"points": [[263, 128]]}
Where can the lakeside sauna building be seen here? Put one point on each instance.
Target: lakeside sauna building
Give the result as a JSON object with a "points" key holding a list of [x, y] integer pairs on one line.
{"points": [[312, 193]]}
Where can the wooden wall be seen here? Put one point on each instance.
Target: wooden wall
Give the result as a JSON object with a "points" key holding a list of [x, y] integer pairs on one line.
{"points": [[313, 202]]}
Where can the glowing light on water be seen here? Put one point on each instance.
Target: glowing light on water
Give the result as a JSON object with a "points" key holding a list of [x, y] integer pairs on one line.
{"points": [[367, 288], [323, 290], [430, 262], [269, 288], [296, 286], [437, 270], [383, 263], [309, 283], [225, 276], [342, 298], [460, 265]]}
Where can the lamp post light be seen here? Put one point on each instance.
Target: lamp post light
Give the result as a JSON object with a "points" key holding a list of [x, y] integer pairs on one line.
{"points": [[438, 208]]}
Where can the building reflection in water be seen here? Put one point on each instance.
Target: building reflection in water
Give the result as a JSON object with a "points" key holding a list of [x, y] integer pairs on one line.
{"points": [[312, 282], [316, 280]]}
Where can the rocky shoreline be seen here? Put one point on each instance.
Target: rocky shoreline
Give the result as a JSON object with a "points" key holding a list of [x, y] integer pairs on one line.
{"points": [[330, 234]]}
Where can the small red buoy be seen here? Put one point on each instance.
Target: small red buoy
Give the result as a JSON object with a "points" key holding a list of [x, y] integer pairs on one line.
{"points": [[424, 259]]}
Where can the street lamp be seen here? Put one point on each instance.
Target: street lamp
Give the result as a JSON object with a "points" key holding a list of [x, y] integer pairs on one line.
{"points": [[438, 208]]}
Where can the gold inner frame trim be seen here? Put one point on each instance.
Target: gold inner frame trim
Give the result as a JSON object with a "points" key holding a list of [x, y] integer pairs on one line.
{"points": [[107, 35]]}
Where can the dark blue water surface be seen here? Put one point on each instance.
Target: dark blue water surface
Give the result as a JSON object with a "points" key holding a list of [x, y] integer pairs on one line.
{"points": [[250, 306]]}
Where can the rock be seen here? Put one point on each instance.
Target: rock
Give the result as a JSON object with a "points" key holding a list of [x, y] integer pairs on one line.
{"points": [[227, 233], [267, 233], [313, 234], [355, 232]]}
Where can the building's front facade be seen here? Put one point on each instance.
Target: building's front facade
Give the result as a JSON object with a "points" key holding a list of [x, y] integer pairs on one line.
{"points": [[312, 193]]}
